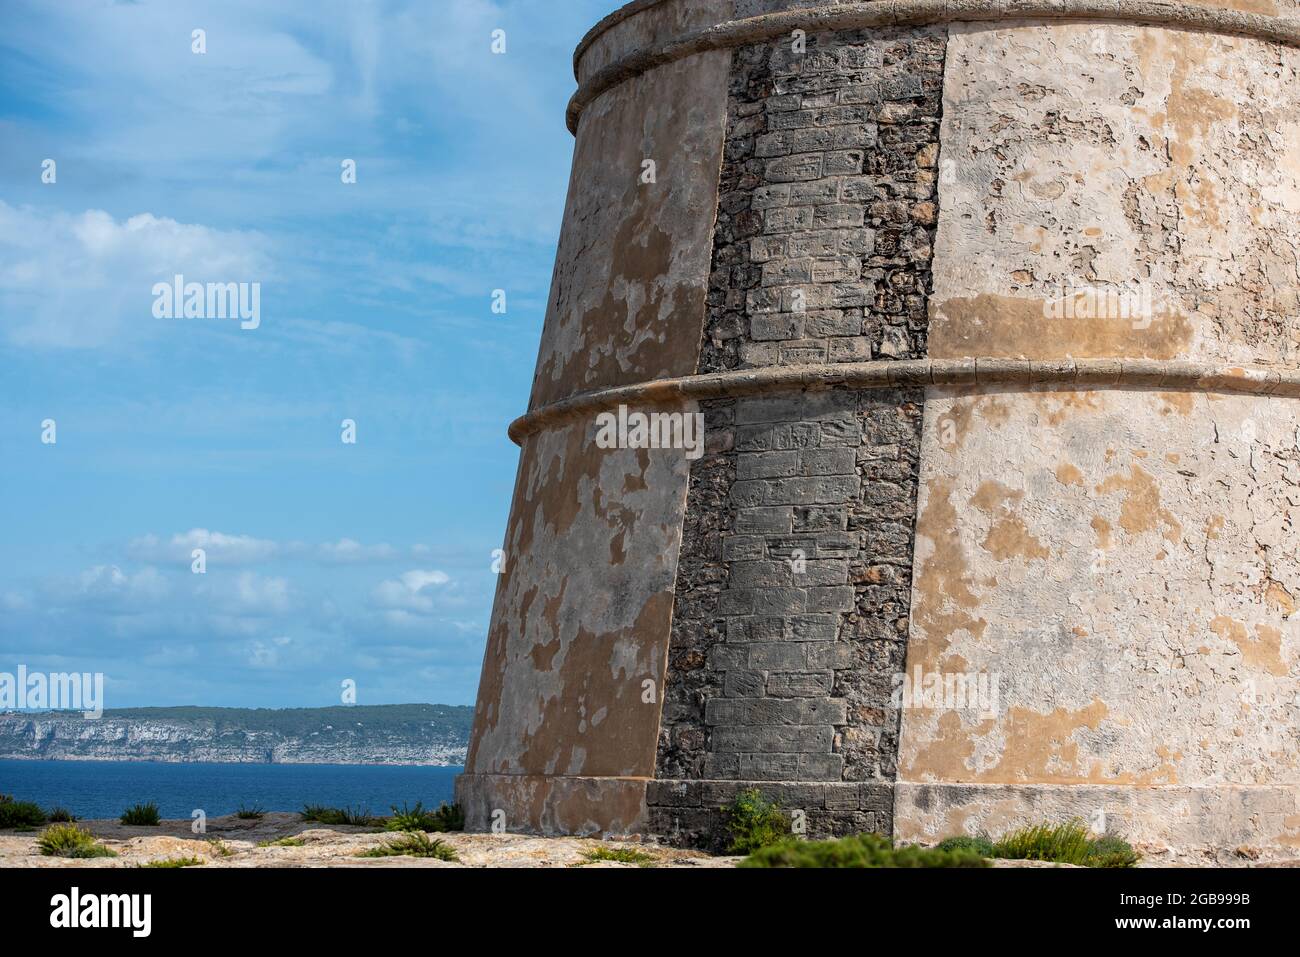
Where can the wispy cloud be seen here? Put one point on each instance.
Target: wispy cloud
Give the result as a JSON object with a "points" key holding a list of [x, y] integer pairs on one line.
{"points": [[233, 550], [218, 546]]}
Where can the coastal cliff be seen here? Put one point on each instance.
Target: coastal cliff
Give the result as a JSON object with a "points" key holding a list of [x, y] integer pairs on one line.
{"points": [[376, 734]]}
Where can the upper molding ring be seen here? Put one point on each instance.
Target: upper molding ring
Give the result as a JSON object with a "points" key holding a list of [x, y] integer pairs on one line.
{"points": [[892, 13]]}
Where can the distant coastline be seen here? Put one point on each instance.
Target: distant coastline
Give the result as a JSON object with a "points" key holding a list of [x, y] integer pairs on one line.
{"points": [[407, 734]]}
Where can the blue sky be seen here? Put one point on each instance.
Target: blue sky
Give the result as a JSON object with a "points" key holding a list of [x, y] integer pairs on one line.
{"points": [[325, 561]]}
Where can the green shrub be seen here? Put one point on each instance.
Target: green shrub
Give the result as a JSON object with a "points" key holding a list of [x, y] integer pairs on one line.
{"points": [[58, 838], [981, 845], [249, 813], [411, 819], [413, 844], [220, 847], [175, 862], [448, 817], [19, 813], [336, 815], [754, 822], [283, 842], [1068, 843], [142, 815], [61, 815], [1111, 850], [623, 855], [860, 850], [68, 840]]}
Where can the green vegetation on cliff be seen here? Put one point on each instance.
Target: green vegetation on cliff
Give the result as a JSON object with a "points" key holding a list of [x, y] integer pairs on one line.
{"points": [[295, 722]]}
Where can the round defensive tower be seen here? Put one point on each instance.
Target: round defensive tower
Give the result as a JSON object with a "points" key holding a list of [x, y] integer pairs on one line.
{"points": [[990, 310]]}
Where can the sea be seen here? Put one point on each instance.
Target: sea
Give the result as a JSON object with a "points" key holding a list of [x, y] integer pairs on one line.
{"points": [[103, 789]]}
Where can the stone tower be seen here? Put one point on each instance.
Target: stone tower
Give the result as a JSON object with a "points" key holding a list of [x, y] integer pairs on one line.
{"points": [[990, 309]]}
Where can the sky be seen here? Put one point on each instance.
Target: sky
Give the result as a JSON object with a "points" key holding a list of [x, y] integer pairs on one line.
{"points": [[128, 439]]}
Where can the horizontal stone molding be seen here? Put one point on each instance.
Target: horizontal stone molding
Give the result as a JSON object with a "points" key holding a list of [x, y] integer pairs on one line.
{"points": [[1186, 816], [896, 13], [1020, 374]]}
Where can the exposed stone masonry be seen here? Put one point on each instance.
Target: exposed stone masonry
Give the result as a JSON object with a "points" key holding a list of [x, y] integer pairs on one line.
{"points": [[827, 194], [793, 586]]}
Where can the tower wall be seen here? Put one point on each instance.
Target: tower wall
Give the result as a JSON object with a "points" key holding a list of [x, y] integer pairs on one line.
{"points": [[989, 309], [561, 740], [1119, 558]]}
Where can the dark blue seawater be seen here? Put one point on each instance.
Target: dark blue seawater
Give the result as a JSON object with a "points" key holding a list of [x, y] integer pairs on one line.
{"points": [[103, 789]]}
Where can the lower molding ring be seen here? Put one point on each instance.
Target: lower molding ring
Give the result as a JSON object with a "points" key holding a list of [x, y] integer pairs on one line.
{"points": [[1022, 374]]}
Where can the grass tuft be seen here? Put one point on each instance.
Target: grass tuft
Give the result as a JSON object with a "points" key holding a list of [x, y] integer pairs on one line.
{"points": [[220, 847], [754, 822], [448, 817], [283, 842], [413, 844], [358, 817], [860, 851], [174, 862], [623, 855], [1111, 850], [1068, 843], [68, 840], [91, 850], [142, 815], [61, 815], [253, 813]]}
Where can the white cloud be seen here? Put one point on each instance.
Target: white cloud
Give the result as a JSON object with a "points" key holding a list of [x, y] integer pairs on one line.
{"points": [[101, 589], [85, 280], [109, 584], [419, 579], [219, 547], [255, 594], [347, 551], [414, 591]]}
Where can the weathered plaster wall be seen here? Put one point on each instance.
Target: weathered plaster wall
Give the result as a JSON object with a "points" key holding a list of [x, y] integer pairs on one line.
{"points": [[581, 609], [1121, 565], [627, 297], [1121, 562], [1079, 155], [563, 741]]}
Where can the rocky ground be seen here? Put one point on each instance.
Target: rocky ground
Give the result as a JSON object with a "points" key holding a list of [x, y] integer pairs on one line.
{"points": [[1154, 855], [324, 846], [232, 842]]}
